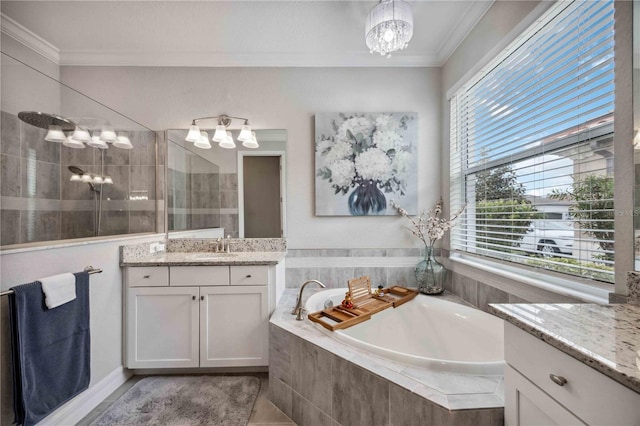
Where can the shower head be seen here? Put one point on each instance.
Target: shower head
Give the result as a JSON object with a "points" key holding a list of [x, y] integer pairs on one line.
{"points": [[43, 120], [77, 170]]}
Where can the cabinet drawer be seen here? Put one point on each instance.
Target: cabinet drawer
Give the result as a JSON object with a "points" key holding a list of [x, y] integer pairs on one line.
{"points": [[199, 275], [250, 275], [148, 276], [586, 390]]}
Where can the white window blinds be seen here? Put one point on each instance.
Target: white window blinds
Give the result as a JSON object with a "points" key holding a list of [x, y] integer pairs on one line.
{"points": [[532, 147]]}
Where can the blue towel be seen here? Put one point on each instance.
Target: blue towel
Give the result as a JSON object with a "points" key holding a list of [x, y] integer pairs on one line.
{"points": [[51, 350]]}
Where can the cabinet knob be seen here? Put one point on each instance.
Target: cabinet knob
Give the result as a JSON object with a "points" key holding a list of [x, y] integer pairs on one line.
{"points": [[558, 380], [147, 276], [249, 276], [193, 298], [201, 297]]}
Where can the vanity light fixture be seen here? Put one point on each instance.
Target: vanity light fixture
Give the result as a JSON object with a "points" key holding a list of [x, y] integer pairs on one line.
{"points": [[63, 130], [221, 135], [75, 178], [123, 141], [73, 143], [108, 135], [55, 134], [228, 143], [250, 142], [203, 141], [81, 134], [96, 142]]}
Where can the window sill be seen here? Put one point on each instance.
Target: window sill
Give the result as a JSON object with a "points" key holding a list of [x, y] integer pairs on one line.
{"points": [[588, 292]]}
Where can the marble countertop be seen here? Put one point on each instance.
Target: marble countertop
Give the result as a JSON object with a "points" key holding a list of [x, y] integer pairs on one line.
{"points": [[206, 259], [605, 337]]}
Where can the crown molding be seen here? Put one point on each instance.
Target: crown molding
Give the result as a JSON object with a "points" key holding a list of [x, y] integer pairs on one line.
{"points": [[30, 39], [213, 59], [463, 27]]}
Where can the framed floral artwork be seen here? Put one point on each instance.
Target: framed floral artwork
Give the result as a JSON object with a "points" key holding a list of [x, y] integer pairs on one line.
{"points": [[364, 161]]}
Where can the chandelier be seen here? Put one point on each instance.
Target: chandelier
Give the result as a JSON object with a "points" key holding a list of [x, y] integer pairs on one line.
{"points": [[389, 27], [200, 138]]}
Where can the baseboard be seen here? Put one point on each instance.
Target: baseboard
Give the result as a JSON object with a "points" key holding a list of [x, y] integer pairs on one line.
{"points": [[76, 409]]}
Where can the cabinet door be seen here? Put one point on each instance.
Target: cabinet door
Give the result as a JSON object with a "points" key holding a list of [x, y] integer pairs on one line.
{"points": [[234, 326], [162, 327], [528, 405]]}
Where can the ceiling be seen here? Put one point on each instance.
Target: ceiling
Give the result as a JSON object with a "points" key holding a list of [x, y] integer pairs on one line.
{"points": [[230, 33]]}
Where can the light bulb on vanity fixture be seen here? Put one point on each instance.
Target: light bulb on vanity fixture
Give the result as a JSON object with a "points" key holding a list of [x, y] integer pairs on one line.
{"points": [[96, 142], [73, 143], [250, 142], [123, 141], [81, 134], [203, 141], [55, 134], [228, 143], [221, 134]]}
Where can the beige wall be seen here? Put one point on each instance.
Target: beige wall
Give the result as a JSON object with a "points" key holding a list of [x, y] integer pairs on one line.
{"points": [[286, 98]]}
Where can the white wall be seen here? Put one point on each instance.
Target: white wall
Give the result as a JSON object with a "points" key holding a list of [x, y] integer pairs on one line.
{"points": [[23, 88], [286, 98]]}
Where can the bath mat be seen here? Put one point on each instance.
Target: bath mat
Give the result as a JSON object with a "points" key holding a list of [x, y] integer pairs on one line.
{"points": [[184, 400]]}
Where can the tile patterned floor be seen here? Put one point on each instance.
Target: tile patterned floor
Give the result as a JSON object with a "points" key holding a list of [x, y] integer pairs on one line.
{"points": [[264, 412]]}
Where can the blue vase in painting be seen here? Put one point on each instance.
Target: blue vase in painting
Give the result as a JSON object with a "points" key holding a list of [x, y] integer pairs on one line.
{"points": [[367, 199]]}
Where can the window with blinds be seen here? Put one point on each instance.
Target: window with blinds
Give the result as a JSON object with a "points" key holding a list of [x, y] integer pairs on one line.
{"points": [[532, 147]]}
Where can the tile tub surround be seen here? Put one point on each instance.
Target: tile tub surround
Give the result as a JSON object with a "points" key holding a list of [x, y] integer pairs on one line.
{"points": [[183, 252], [315, 379], [605, 337]]}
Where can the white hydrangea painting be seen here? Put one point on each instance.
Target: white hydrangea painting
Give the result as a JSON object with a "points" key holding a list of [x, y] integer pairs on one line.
{"points": [[364, 162]]}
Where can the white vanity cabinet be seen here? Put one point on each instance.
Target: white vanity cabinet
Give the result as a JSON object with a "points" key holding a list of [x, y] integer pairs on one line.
{"points": [[545, 386], [200, 316]]}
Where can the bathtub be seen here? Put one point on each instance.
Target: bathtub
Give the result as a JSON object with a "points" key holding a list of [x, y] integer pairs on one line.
{"points": [[427, 332]]}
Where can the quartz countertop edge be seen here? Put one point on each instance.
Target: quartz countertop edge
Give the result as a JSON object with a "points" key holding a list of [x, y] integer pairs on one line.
{"points": [[570, 333], [200, 259]]}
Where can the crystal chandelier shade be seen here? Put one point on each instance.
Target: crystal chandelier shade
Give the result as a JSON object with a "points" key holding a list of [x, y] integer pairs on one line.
{"points": [[389, 27]]}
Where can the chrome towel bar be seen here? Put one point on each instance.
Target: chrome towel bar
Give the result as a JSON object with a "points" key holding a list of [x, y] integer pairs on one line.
{"points": [[89, 269]]}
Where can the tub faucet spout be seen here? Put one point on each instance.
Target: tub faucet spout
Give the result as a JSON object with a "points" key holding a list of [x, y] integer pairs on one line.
{"points": [[298, 311]]}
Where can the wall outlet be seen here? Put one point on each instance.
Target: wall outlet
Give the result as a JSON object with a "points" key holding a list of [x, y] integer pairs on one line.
{"points": [[156, 247]]}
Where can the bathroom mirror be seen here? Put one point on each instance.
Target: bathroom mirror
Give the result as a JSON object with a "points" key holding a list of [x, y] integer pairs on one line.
{"points": [[51, 191], [239, 192], [636, 126]]}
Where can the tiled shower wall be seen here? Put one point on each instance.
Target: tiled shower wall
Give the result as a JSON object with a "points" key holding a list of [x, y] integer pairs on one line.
{"points": [[334, 267], [229, 203], [193, 200], [39, 203]]}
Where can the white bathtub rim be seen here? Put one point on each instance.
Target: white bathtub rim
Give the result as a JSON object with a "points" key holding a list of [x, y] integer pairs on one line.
{"points": [[484, 368]]}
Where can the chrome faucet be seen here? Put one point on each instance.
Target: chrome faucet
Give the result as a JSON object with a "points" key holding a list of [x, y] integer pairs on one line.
{"points": [[298, 311], [218, 245]]}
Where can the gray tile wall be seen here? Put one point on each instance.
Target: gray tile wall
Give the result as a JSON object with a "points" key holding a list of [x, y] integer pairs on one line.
{"points": [[475, 292], [36, 170], [315, 387], [229, 200], [193, 200]]}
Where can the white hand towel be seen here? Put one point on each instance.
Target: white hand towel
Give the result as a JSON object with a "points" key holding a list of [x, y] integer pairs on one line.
{"points": [[58, 289]]}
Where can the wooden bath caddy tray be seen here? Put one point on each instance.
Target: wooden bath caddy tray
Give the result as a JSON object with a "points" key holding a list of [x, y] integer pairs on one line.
{"points": [[365, 304]]}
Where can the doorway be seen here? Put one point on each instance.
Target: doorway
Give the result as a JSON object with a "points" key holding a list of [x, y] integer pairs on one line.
{"points": [[261, 194]]}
